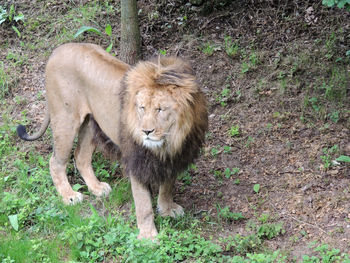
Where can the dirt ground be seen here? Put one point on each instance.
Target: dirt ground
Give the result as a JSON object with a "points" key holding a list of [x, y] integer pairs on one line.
{"points": [[280, 141]]}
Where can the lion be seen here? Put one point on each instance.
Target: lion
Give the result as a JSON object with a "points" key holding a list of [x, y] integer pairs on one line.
{"points": [[152, 116]]}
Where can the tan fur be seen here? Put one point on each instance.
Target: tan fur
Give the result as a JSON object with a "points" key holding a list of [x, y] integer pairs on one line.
{"points": [[157, 106]]}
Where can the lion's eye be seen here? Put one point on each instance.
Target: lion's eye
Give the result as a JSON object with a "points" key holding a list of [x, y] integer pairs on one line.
{"points": [[141, 108], [159, 110]]}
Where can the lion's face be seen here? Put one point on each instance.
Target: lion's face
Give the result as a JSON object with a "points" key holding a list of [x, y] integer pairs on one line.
{"points": [[163, 104], [156, 112]]}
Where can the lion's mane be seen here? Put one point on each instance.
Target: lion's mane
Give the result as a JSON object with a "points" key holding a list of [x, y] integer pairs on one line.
{"points": [[155, 167]]}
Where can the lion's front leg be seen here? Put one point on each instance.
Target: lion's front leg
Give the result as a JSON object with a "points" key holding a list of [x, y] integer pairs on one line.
{"points": [[144, 211], [166, 204]]}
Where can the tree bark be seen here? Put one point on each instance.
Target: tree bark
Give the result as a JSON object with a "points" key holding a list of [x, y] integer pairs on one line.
{"points": [[130, 32]]}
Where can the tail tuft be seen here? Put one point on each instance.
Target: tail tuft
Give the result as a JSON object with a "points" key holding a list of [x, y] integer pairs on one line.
{"points": [[22, 132]]}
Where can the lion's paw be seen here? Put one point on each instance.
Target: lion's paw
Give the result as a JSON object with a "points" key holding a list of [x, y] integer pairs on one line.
{"points": [[73, 198], [172, 209], [150, 234], [102, 189]]}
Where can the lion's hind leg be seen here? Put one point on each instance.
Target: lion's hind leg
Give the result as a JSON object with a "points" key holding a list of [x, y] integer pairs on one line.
{"points": [[64, 131], [166, 204], [83, 157]]}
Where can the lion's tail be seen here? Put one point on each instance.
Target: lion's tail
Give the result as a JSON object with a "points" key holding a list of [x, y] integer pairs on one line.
{"points": [[22, 132]]}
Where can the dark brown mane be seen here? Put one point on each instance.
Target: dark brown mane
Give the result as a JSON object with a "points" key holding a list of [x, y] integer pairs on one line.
{"points": [[149, 169], [141, 162]]}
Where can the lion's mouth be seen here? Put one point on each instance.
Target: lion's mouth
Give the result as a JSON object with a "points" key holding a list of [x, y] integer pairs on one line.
{"points": [[151, 143]]}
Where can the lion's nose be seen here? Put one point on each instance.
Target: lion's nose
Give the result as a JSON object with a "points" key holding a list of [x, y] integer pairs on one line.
{"points": [[147, 132]]}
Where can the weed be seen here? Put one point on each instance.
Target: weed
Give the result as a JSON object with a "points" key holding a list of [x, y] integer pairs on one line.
{"points": [[330, 45], [231, 47], [224, 96], [162, 52], [108, 31], [343, 158], [214, 151], [314, 104], [327, 156], [270, 230], [264, 218], [250, 62], [218, 174], [245, 67], [230, 172], [226, 215], [4, 80], [256, 188], [11, 17], [234, 131], [242, 245], [249, 142], [185, 177], [335, 89], [121, 193], [338, 3], [227, 149], [325, 254], [209, 49], [334, 116]]}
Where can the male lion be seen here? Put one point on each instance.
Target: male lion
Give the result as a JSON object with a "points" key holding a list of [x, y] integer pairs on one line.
{"points": [[153, 115]]}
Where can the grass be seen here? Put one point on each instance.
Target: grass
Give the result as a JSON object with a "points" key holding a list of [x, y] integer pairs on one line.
{"points": [[3, 81]]}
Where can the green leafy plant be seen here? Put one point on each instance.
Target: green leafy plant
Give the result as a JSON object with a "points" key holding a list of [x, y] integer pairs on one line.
{"points": [[334, 116], [326, 254], [186, 178], [11, 17], [227, 149], [245, 67], [250, 62], [214, 151], [328, 155], [242, 245], [314, 104], [162, 52], [224, 96], [4, 80], [256, 188], [226, 214], [234, 131], [84, 29], [249, 142], [14, 221], [343, 158], [108, 31], [218, 174], [230, 172], [338, 3], [209, 49], [270, 230], [231, 47]]}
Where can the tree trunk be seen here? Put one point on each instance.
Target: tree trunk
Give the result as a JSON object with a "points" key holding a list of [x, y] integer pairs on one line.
{"points": [[130, 32]]}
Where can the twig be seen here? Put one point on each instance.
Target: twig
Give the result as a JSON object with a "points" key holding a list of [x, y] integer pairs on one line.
{"points": [[306, 223]]}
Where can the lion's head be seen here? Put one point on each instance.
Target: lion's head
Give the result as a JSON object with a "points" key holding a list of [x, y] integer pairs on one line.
{"points": [[163, 106]]}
